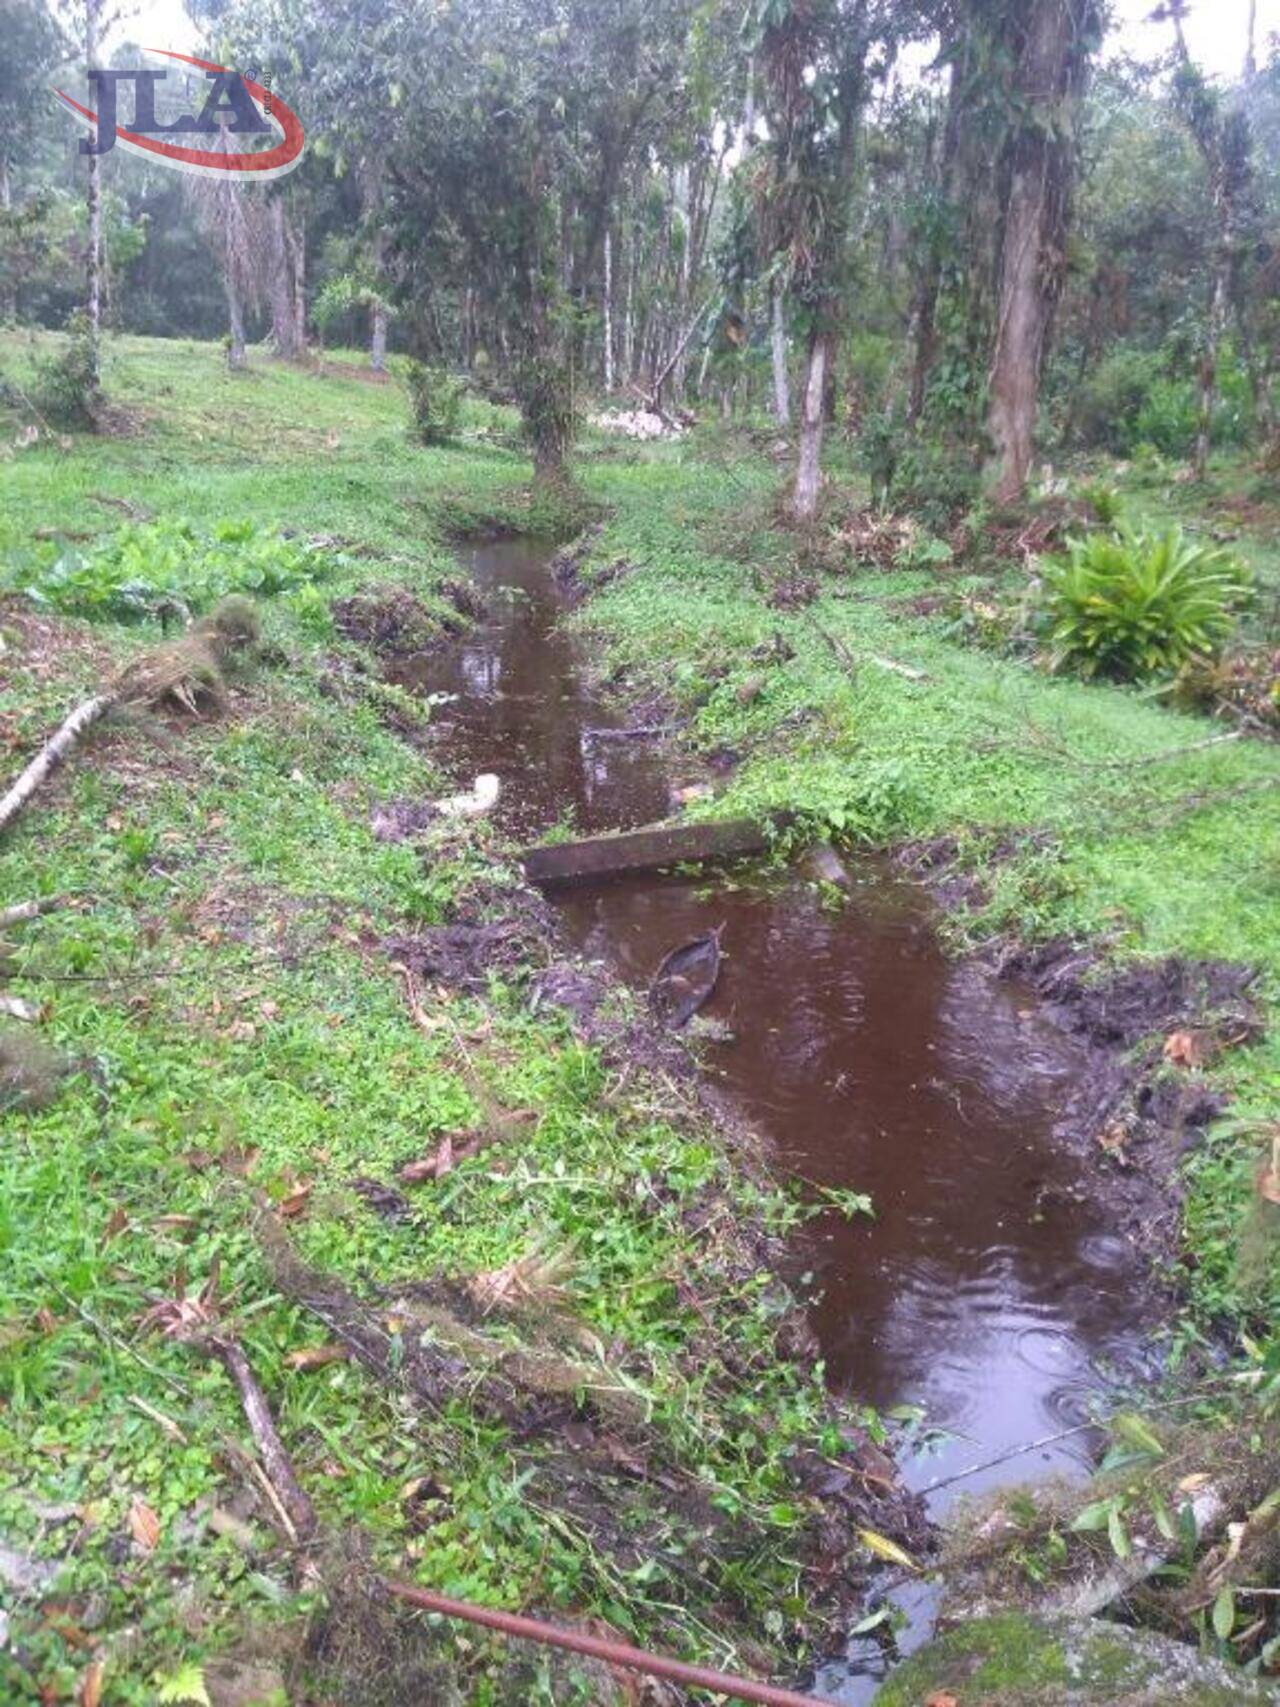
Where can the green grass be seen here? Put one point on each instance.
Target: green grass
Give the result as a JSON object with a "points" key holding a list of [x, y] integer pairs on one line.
{"points": [[237, 1031], [1089, 810]]}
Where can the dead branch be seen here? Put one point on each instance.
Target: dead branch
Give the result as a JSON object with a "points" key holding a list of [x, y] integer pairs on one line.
{"points": [[54, 751], [1086, 1599], [285, 1489], [851, 662], [185, 670], [24, 910]]}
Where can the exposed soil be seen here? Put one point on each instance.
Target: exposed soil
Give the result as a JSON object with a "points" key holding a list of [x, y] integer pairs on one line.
{"points": [[391, 621], [1015, 1118]]}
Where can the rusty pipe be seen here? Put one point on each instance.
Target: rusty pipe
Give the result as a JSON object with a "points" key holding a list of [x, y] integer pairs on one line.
{"points": [[599, 1648]]}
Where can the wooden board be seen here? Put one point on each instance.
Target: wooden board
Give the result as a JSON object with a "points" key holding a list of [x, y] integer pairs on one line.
{"points": [[649, 849]]}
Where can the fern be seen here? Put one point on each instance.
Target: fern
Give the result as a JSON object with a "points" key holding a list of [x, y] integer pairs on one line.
{"points": [[186, 1684]]}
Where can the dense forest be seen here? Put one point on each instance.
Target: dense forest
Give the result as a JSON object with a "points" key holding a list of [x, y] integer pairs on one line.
{"points": [[958, 234], [640, 853]]}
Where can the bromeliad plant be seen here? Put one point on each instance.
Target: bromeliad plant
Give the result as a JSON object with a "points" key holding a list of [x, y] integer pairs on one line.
{"points": [[1132, 603]]}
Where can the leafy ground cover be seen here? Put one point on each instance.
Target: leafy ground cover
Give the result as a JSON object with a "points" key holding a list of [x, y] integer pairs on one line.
{"points": [[576, 1397], [241, 1042], [1086, 810]]}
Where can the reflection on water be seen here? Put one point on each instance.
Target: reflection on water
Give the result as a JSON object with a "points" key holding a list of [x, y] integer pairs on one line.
{"points": [[986, 1288], [875, 1063], [521, 707]]}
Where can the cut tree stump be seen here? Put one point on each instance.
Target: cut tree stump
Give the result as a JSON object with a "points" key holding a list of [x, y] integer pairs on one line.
{"points": [[649, 849]]}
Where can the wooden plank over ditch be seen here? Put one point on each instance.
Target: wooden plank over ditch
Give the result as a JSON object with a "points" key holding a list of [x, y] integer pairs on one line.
{"points": [[649, 849]]}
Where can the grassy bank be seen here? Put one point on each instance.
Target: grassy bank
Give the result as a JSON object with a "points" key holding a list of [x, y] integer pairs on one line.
{"points": [[575, 1399], [239, 1043], [1085, 810]]}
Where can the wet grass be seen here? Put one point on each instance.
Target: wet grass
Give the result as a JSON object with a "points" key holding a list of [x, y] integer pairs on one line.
{"points": [[1086, 809], [236, 1036]]}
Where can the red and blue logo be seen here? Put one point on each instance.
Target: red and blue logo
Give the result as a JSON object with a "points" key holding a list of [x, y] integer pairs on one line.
{"points": [[238, 115]]}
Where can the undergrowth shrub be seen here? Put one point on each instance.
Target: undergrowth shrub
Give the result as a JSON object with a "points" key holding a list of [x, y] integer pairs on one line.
{"points": [[548, 413], [436, 400], [64, 390], [1135, 603], [149, 567], [1136, 396], [935, 482]]}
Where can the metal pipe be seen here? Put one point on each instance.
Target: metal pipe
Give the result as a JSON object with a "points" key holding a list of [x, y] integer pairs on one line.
{"points": [[597, 1647]]}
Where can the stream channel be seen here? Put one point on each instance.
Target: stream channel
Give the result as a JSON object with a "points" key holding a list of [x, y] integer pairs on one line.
{"points": [[986, 1287]]}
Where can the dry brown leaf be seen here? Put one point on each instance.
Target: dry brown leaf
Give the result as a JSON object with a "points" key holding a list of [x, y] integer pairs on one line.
{"points": [[1113, 1138], [296, 1201], [117, 1221], [434, 1166], [144, 1525], [317, 1357], [174, 1223], [1185, 1048], [1269, 1184], [1190, 1484], [89, 1692], [941, 1698]]}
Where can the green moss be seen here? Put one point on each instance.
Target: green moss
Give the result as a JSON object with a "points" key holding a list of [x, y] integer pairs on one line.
{"points": [[1013, 1660]]}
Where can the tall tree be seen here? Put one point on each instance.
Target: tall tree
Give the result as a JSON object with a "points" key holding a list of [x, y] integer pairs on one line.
{"points": [[33, 45], [1051, 41], [1221, 133], [233, 224], [522, 119], [814, 58]]}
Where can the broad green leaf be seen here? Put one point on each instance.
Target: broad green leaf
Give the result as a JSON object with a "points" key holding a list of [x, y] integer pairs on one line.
{"points": [[1224, 1613]]}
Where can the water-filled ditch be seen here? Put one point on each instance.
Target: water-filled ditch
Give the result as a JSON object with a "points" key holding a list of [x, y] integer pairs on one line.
{"points": [[987, 1285]]}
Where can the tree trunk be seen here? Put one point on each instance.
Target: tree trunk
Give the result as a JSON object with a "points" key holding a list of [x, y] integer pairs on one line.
{"points": [[607, 308], [93, 305], [1049, 80], [235, 322], [297, 235], [809, 466], [628, 315], [778, 342], [378, 338], [284, 325], [1215, 325], [9, 301]]}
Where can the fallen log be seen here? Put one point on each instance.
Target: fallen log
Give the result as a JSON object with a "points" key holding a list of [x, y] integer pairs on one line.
{"points": [[294, 1505], [21, 911], [54, 751], [650, 849]]}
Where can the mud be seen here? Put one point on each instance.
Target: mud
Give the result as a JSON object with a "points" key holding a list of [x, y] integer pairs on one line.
{"points": [[392, 622], [1010, 1123]]}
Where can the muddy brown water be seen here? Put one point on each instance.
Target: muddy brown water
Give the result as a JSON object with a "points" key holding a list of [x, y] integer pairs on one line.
{"points": [[987, 1287]]}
